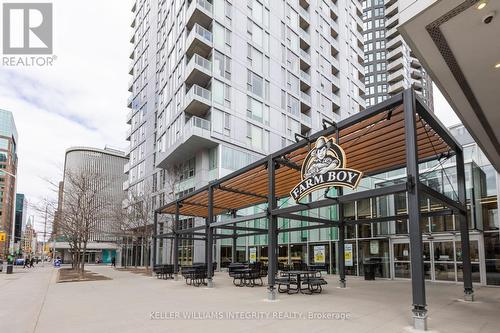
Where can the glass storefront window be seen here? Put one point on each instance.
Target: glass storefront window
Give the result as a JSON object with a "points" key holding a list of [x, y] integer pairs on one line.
{"points": [[492, 257], [375, 252]]}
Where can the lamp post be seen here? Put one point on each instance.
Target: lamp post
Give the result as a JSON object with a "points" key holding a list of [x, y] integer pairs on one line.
{"points": [[13, 214]]}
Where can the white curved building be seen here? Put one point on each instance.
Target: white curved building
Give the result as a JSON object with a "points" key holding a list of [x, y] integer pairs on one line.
{"points": [[110, 163]]}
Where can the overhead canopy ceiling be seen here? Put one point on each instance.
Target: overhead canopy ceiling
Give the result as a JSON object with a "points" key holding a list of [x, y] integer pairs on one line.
{"points": [[372, 145], [460, 52]]}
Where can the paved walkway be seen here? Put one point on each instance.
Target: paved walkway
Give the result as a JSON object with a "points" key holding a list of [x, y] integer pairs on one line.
{"points": [[136, 303]]}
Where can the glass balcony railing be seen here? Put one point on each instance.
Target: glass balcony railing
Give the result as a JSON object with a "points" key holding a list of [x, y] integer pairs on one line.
{"points": [[197, 91], [305, 76], [305, 35], [305, 55], [199, 123], [203, 4], [201, 33], [306, 97], [200, 61], [306, 118]]}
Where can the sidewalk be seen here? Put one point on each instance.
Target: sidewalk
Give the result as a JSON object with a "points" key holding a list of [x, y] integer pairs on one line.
{"points": [[137, 303], [22, 296]]}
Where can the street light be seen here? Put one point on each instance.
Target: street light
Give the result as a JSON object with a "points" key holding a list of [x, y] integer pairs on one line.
{"points": [[13, 213]]}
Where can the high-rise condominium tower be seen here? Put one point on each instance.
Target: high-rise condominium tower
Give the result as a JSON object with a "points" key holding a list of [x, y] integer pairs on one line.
{"points": [[217, 84], [390, 66]]}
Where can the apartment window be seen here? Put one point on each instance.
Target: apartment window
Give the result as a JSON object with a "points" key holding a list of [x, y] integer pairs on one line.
{"points": [[212, 158], [257, 110], [293, 127], [293, 83], [221, 93], [187, 169], [255, 59], [293, 105], [222, 65], [257, 137], [255, 33], [221, 122], [255, 84], [233, 159], [257, 10], [221, 37]]}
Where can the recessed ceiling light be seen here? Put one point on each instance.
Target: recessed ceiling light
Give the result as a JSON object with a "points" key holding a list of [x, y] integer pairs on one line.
{"points": [[497, 66], [481, 4]]}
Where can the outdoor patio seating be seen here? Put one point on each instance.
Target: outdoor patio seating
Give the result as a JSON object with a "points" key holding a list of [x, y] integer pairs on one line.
{"points": [[164, 271]]}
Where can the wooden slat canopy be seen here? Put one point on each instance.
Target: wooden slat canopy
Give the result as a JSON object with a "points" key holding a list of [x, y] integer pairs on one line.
{"points": [[373, 143]]}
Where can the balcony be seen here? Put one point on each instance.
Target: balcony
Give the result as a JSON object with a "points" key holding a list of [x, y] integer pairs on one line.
{"points": [[391, 33], [305, 80], [396, 76], [392, 22], [129, 116], [124, 203], [194, 136], [394, 54], [127, 152], [393, 43], [392, 9], [199, 12], [126, 185], [416, 74], [305, 57], [130, 99], [128, 134], [197, 101], [336, 100], [417, 85], [415, 64], [395, 88], [305, 39], [395, 65], [306, 119], [131, 85], [199, 40], [126, 168], [388, 3], [198, 71]]}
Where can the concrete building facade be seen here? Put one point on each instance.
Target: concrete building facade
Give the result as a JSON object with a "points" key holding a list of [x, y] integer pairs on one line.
{"points": [[218, 84], [8, 172], [21, 217], [106, 162], [390, 65]]}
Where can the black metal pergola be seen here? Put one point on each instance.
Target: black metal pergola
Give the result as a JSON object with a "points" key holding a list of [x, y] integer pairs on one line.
{"points": [[400, 132]]}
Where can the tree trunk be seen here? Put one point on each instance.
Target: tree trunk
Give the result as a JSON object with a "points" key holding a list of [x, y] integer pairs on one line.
{"points": [[142, 251], [82, 269]]}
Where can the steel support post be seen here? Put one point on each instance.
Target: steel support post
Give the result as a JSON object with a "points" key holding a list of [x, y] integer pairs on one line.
{"points": [[272, 241], [210, 238], [176, 242], [464, 228], [234, 239], [417, 263], [341, 247], [154, 239]]}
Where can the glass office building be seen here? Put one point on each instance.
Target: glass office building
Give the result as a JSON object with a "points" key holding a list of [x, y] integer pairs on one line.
{"points": [[387, 243]]}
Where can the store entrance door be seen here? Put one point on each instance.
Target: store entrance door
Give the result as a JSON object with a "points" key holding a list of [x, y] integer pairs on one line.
{"points": [[442, 259]]}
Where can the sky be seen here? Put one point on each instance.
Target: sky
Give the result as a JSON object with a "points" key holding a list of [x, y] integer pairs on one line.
{"points": [[81, 99]]}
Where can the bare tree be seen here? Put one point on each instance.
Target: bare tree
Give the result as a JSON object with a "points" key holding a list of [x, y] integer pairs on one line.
{"points": [[86, 204], [171, 186]]}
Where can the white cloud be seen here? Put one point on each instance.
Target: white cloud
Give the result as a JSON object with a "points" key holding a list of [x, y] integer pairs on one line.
{"points": [[81, 100]]}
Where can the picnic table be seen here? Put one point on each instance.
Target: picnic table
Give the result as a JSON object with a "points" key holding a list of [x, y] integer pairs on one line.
{"points": [[294, 282], [248, 275]]}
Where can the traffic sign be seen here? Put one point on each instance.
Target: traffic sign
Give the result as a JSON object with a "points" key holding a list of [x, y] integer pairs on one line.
{"points": [[3, 236]]}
